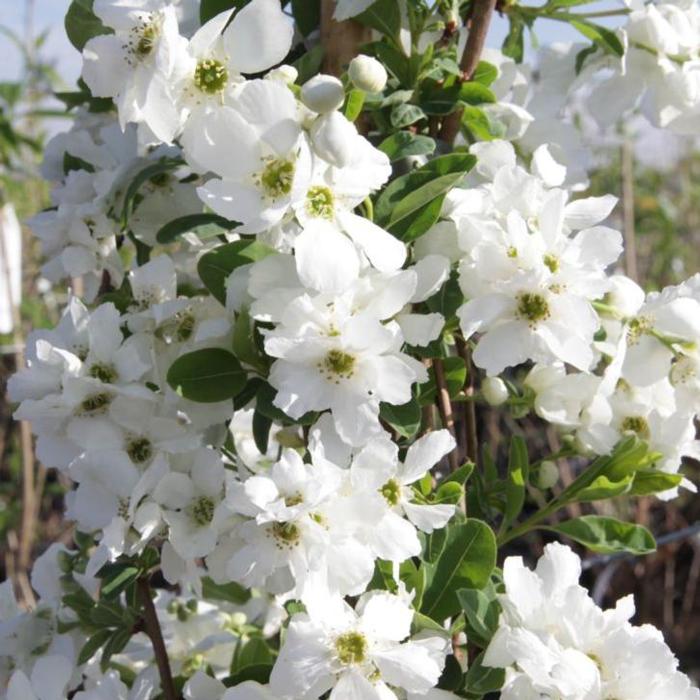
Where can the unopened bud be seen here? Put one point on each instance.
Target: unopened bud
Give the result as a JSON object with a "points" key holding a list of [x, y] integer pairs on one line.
{"points": [[548, 474], [367, 74], [494, 390], [283, 74], [323, 93]]}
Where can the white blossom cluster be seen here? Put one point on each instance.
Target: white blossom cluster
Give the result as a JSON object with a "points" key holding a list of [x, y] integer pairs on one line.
{"points": [[337, 307]]}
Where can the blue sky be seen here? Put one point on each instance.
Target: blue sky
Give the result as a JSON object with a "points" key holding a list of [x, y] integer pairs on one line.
{"points": [[48, 14]]}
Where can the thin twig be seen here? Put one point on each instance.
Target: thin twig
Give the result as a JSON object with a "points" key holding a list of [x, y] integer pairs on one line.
{"points": [[472, 440], [152, 629], [445, 408], [481, 13]]}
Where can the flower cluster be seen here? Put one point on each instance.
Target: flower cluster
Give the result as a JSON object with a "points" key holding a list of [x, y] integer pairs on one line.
{"points": [[274, 287]]}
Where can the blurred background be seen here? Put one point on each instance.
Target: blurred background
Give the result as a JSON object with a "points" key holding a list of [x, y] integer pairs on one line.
{"points": [[658, 173]]}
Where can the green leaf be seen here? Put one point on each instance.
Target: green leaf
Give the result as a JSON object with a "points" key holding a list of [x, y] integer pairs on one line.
{"points": [[514, 44], [307, 14], [455, 372], [204, 225], [649, 481], [82, 24], [405, 114], [439, 99], [309, 64], [116, 643], [481, 679], [354, 104], [602, 488], [422, 195], [74, 163], [481, 614], [229, 592], [461, 476], [448, 299], [395, 61], [485, 73], [384, 16], [211, 8], [481, 127], [117, 580], [467, 561], [164, 165], [207, 376], [215, 266], [92, 645], [261, 431], [254, 652], [403, 144], [607, 535], [518, 473], [244, 345], [606, 39], [583, 54], [108, 614], [404, 419]]}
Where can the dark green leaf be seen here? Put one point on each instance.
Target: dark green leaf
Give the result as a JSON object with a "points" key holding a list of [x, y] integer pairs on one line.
{"points": [[215, 266], [514, 44], [455, 372], [82, 24], [518, 474], [309, 64], [482, 679], [211, 8], [607, 535], [481, 614], [404, 419], [448, 299], [467, 561], [108, 614], [403, 144], [116, 643], [164, 165], [207, 376], [405, 114], [74, 163], [261, 431], [384, 16], [92, 645], [204, 225], [307, 14]]}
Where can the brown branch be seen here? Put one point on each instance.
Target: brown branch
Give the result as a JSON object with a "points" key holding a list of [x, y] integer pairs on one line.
{"points": [[152, 629], [340, 40], [445, 408], [479, 21], [472, 440]]}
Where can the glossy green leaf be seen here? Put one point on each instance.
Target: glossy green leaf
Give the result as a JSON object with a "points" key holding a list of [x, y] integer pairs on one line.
{"points": [[228, 592], [605, 38], [307, 15], [204, 225], [403, 144], [481, 679], [82, 24], [404, 419], [160, 167], [215, 266], [607, 535], [467, 560], [518, 473], [650, 481], [207, 376], [481, 613], [384, 16], [211, 8], [405, 114], [93, 644], [602, 488]]}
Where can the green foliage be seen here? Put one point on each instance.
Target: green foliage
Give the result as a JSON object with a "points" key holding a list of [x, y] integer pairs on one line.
{"points": [[203, 225], [607, 535], [207, 376], [404, 419], [82, 24]]}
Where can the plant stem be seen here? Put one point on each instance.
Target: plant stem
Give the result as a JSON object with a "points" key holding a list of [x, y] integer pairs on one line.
{"points": [[152, 629], [445, 407], [482, 11]]}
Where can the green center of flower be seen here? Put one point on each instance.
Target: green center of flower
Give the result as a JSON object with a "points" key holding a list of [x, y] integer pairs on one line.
{"points": [[103, 371], [277, 178], [339, 364], [552, 262], [210, 76], [202, 511], [185, 326], [139, 449], [320, 202], [294, 500], [391, 492], [142, 38], [637, 425], [351, 648], [533, 307], [287, 534], [512, 252], [637, 327], [95, 403]]}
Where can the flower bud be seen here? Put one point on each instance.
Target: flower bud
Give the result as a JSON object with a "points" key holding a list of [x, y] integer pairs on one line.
{"points": [[494, 390], [333, 137], [323, 93], [367, 74], [283, 74], [548, 474]]}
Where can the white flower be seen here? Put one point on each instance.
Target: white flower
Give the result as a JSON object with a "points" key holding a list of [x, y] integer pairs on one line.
{"points": [[136, 65], [272, 165], [556, 643], [357, 654]]}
